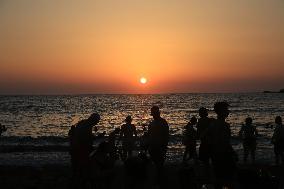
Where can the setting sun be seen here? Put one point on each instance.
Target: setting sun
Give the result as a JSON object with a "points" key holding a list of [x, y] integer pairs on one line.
{"points": [[143, 80]]}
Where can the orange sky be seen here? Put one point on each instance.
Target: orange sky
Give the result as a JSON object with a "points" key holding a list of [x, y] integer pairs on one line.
{"points": [[68, 46]]}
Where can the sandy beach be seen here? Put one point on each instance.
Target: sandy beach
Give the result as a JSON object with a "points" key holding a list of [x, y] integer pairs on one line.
{"points": [[177, 176]]}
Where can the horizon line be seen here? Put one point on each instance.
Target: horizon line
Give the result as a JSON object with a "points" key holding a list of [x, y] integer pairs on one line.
{"points": [[162, 93]]}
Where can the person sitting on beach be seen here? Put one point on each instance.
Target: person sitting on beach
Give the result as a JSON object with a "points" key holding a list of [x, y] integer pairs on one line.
{"points": [[221, 151], [138, 172], [81, 145], [127, 133], [158, 138], [278, 140], [2, 129], [202, 128], [101, 165], [248, 134], [189, 140]]}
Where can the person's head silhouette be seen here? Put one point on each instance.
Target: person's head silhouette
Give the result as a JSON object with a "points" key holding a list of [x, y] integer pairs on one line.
{"points": [[94, 119], [193, 120], [222, 110], [203, 112], [128, 120], [155, 112], [249, 121], [278, 120]]}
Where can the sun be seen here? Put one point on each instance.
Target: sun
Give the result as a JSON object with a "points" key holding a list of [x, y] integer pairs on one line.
{"points": [[143, 80]]}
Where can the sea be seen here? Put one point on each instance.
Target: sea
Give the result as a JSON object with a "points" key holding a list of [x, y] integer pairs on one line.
{"points": [[37, 126]]}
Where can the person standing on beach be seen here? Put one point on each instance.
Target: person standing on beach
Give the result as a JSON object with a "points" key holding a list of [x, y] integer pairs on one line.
{"points": [[278, 140], [158, 135], [128, 134], [202, 128], [2, 129], [221, 151], [81, 145], [189, 140], [248, 134]]}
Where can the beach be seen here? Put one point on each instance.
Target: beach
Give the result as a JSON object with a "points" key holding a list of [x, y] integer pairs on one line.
{"points": [[34, 151], [59, 176], [51, 168]]}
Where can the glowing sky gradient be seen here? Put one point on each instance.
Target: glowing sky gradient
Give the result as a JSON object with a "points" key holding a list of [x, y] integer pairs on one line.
{"points": [[106, 46]]}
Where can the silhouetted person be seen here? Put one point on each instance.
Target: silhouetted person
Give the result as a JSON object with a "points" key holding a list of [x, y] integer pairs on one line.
{"points": [[144, 141], [112, 139], [158, 133], [189, 140], [202, 129], [278, 140], [248, 133], [81, 145], [221, 151], [128, 135], [72, 150], [2, 129]]}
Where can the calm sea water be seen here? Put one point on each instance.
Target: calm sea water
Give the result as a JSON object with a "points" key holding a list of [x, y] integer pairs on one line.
{"points": [[45, 120]]}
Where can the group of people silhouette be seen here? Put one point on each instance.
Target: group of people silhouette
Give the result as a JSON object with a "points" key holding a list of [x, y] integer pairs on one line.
{"points": [[215, 148]]}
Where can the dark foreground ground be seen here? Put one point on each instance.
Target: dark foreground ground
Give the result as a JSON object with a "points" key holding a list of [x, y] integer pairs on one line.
{"points": [[177, 176]]}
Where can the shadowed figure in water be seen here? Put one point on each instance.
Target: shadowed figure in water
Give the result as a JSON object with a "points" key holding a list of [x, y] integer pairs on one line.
{"points": [[158, 135], [248, 134], [189, 140], [2, 129], [202, 128], [222, 154], [81, 145], [278, 141], [128, 135]]}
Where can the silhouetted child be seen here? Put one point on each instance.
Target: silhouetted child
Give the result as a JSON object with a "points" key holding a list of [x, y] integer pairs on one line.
{"points": [[112, 143], [127, 133], [202, 129], [2, 129], [189, 140], [72, 150], [248, 133], [144, 142], [278, 140]]}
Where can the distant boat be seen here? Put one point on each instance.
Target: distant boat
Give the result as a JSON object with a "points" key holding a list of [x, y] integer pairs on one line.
{"points": [[268, 92], [280, 91]]}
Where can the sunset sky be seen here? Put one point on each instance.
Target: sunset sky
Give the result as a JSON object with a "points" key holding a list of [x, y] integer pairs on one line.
{"points": [[106, 46]]}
